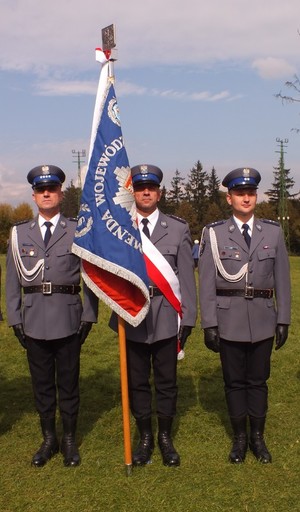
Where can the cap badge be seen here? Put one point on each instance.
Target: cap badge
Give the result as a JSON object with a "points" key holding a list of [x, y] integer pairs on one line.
{"points": [[45, 169], [246, 172], [144, 169]]}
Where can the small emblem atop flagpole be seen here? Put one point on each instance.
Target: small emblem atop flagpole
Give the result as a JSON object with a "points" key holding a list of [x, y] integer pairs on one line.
{"points": [[109, 46]]}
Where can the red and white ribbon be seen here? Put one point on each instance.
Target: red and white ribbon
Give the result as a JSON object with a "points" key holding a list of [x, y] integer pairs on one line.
{"points": [[162, 274]]}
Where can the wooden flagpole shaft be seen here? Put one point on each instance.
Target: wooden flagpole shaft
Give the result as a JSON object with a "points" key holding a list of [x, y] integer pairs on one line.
{"points": [[125, 399]]}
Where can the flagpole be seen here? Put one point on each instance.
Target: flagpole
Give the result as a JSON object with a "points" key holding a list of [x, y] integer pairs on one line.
{"points": [[125, 399], [108, 45]]}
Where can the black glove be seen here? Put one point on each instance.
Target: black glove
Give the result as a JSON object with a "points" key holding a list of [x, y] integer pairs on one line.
{"points": [[212, 338], [83, 331], [184, 333], [282, 332], [20, 334]]}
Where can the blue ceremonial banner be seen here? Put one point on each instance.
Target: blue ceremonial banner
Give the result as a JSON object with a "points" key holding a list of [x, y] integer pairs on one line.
{"points": [[107, 237]]}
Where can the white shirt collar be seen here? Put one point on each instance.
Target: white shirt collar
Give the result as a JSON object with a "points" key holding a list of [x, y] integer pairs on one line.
{"points": [[152, 218], [54, 220], [239, 223]]}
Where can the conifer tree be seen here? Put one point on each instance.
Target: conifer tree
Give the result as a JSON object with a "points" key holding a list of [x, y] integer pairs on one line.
{"points": [[197, 191]]}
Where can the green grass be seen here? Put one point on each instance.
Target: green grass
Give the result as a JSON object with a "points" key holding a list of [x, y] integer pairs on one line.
{"points": [[204, 482]]}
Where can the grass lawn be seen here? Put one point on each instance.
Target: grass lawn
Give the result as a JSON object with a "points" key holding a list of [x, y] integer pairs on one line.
{"points": [[204, 482]]}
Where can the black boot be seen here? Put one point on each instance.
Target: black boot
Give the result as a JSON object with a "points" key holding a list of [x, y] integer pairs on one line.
{"points": [[49, 446], [68, 444], [257, 444], [144, 449], [169, 455], [240, 440]]}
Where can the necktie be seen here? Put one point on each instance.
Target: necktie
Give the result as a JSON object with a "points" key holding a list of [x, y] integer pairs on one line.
{"points": [[145, 227], [246, 235], [48, 233]]}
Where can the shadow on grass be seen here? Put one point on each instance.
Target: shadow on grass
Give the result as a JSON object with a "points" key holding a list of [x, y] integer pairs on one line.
{"points": [[99, 393], [16, 400], [212, 398]]}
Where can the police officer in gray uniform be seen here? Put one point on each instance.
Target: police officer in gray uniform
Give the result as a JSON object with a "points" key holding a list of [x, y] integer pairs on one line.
{"points": [[245, 301], [45, 310], [154, 341]]}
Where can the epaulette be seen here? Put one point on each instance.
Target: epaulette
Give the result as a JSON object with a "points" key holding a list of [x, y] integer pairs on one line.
{"points": [[269, 221], [22, 222], [217, 223], [177, 218]]}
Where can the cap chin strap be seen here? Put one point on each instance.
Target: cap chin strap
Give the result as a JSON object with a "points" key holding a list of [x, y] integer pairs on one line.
{"points": [[28, 275], [231, 278]]}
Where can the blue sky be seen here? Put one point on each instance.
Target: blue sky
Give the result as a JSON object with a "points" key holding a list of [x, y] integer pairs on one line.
{"points": [[195, 81]]}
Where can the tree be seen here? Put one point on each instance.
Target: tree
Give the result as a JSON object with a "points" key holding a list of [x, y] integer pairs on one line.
{"points": [[213, 187], [225, 207], [186, 211], [266, 210], [22, 212], [164, 205], [71, 201], [196, 190], [274, 193], [6, 222], [280, 193], [294, 225], [176, 193], [212, 214]]}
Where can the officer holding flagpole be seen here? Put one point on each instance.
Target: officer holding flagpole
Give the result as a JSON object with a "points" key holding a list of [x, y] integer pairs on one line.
{"points": [[167, 248], [245, 301]]}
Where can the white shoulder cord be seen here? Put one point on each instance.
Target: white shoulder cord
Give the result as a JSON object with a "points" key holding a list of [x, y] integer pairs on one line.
{"points": [[215, 252], [28, 275]]}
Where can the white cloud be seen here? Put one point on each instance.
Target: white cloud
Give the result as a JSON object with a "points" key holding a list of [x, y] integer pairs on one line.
{"points": [[65, 88], [128, 89], [74, 88], [273, 68], [51, 34]]}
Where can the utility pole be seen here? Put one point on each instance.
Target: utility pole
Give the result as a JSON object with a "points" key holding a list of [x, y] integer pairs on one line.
{"points": [[80, 154], [283, 215]]}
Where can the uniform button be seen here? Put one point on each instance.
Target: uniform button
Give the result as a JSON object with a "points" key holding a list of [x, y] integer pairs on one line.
{"points": [[250, 271], [47, 268]]}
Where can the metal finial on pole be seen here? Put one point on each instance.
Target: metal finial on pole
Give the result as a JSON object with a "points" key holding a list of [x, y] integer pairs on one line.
{"points": [[109, 45]]}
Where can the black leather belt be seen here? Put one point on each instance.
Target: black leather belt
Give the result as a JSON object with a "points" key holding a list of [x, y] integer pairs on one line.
{"points": [[49, 288], [248, 292], [154, 291]]}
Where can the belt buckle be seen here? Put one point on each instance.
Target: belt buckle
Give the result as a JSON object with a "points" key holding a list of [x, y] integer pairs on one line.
{"points": [[47, 288], [249, 292], [151, 292]]}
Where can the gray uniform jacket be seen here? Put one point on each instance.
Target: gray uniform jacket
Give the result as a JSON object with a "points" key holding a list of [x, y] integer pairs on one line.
{"points": [[172, 238], [238, 318], [47, 317]]}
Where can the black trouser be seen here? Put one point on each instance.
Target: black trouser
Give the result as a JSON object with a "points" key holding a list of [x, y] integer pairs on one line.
{"points": [[246, 369], [54, 367], [163, 357]]}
